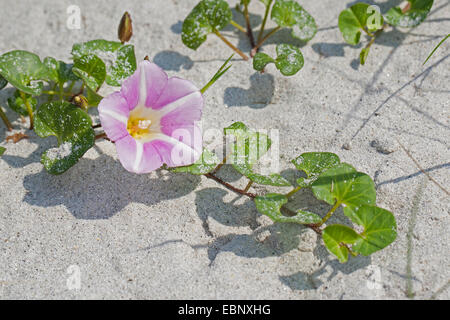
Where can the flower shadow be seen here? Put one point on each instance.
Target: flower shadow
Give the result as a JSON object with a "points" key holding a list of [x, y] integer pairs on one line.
{"points": [[258, 96], [100, 188]]}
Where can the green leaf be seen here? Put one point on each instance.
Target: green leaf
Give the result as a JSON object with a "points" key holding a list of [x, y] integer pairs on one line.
{"points": [[91, 70], [273, 179], [17, 104], [93, 98], [247, 149], [119, 59], [59, 71], [3, 82], [417, 13], [206, 17], [363, 55], [23, 70], [271, 203], [379, 229], [357, 17], [2, 150], [345, 185], [335, 236], [289, 59], [313, 164], [260, 60], [73, 129], [207, 163], [288, 13]]}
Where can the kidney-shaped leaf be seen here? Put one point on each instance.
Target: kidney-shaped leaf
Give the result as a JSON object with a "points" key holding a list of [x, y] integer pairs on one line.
{"points": [[343, 184], [357, 17], [206, 17], [379, 229], [288, 13], [73, 129], [248, 147], [23, 70], [119, 59], [271, 203], [59, 71], [91, 69], [415, 15], [336, 237], [313, 164]]}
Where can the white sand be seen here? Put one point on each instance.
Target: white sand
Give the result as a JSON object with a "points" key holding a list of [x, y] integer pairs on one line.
{"points": [[176, 236]]}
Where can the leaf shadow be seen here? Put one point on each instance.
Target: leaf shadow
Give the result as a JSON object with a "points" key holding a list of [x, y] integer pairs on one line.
{"points": [[105, 193], [173, 61], [315, 279], [258, 96]]}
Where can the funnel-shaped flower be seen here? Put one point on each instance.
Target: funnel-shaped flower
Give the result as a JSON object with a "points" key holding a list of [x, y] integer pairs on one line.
{"points": [[152, 120]]}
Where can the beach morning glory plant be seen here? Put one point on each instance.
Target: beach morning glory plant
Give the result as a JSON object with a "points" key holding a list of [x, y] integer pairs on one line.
{"points": [[153, 120]]}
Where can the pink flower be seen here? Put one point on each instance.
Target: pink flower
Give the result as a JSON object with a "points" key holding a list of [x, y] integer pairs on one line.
{"points": [[152, 120]]}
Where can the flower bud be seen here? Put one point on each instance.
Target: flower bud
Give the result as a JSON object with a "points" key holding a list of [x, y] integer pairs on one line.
{"points": [[81, 102], [125, 28]]}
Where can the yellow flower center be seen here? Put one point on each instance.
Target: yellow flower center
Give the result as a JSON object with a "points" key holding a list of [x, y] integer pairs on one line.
{"points": [[138, 127]]}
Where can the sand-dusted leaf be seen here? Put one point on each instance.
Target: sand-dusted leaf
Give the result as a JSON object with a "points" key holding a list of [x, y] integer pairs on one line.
{"points": [[119, 59], [289, 59], [207, 163], [2, 150], [415, 15], [73, 129], [248, 147], [379, 229], [3, 82], [271, 203], [273, 179], [261, 60], [313, 164], [59, 71], [206, 17], [289, 14], [24, 70], [336, 237], [91, 69], [343, 184], [356, 18], [17, 103]]}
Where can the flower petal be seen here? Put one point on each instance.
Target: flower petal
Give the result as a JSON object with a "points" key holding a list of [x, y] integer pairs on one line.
{"points": [[179, 146], [137, 157], [175, 89], [145, 86], [184, 111], [113, 111]]}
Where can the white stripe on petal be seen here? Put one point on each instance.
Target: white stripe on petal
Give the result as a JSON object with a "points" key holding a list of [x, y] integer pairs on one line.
{"points": [[142, 86], [175, 142], [115, 115], [139, 153], [178, 103]]}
